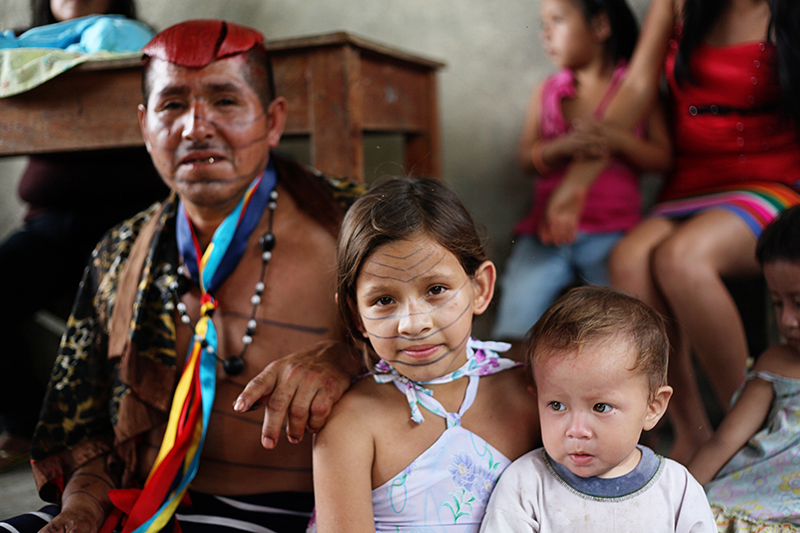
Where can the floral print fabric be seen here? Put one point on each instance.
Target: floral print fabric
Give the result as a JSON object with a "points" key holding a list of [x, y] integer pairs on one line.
{"points": [[447, 487], [482, 360], [760, 485]]}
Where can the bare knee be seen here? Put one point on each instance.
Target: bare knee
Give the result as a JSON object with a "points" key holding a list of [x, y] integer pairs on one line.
{"points": [[629, 266], [678, 264]]}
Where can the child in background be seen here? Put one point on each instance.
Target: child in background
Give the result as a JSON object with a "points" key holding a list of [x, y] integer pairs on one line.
{"points": [[590, 41], [599, 362], [419, 444], [751, 466]]}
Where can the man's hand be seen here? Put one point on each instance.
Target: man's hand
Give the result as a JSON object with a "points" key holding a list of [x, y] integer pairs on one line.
{"points": [[73, 520], [84, 502], [300, 389]]}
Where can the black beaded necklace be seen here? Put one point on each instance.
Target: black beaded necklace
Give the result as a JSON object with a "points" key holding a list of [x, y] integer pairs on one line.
{"points": [[234, 365]]}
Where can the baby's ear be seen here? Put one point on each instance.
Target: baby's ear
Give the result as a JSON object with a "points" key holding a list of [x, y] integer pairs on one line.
{"points": [[483, 284], [658, 406]]}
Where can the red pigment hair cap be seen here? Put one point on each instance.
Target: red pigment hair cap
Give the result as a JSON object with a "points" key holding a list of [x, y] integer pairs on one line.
{"points": [[197, 43]]}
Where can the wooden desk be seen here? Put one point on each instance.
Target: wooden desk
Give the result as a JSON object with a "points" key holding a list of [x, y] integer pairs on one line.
{"points": [[338, 87]]}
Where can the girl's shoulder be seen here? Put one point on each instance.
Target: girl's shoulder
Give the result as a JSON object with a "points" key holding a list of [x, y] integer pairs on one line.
{"points": [[559, 83], [505, 412], [513, 386], [364, 392], [782, 360], [367, 399]]}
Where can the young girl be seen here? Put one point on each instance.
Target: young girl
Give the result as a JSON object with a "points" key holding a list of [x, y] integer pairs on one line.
{"points": [[590, 41], [751, 466], [420, 443]]}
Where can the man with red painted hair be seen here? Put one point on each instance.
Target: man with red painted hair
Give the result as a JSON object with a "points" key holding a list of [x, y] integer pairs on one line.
{"points": [[197, 311]]}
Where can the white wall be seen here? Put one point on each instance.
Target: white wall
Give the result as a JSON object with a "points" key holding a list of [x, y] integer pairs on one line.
{"points": [[493, 59]]}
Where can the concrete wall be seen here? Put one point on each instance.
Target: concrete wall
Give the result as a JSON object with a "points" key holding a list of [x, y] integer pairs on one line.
{"points": [[493, 57]]}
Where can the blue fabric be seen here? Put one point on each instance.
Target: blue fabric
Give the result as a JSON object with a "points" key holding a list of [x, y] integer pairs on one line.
{"points": [[612, 487], [234, 232], [113, 33], [536, 274]]}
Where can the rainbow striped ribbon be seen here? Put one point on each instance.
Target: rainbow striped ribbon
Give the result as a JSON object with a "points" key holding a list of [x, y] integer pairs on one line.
{"points": [[151, 509]]}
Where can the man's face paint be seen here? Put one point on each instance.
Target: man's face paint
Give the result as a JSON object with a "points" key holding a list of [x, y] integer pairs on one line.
{"points": [[205, 127], [207, 131]]}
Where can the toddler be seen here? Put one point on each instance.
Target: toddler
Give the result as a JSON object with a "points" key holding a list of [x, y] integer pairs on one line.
{"points": [[599, 363]]}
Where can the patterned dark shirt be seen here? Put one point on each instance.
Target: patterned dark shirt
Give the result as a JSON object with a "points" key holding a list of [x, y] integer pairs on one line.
{"points": [[101, 403]]}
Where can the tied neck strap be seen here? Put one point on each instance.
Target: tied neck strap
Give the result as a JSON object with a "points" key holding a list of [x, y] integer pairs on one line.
{"points": [[482, 359], [151, 509]]}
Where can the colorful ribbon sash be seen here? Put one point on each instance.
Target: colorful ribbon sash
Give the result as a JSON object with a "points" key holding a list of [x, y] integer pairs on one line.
{"points": [[482, 360], [179, 457]]}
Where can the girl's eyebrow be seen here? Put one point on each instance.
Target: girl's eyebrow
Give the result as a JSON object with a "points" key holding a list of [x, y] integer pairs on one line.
{"points": [[373, 290], [453, 294]]}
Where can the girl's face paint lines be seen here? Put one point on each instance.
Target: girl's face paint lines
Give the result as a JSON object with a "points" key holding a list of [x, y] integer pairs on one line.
{"points": [[399, 272], [378, 320], [415, 302]]}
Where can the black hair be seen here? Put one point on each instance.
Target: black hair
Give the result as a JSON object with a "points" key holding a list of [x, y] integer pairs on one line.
{"points": [[784, 27], [624, 28], [698, 17], [780, 241], [42, 14]]}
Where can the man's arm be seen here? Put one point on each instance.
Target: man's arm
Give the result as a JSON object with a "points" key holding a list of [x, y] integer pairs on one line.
{"points": [[300, 389]]}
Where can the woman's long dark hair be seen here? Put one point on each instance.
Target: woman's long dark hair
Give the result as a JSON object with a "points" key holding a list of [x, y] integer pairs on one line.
{"points": [[698, 17], [42, 14], [784, 28], [624, 28]]}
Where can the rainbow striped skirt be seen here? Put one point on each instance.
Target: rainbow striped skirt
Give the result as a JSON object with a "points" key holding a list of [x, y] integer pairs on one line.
{"points": [[757, 203]]}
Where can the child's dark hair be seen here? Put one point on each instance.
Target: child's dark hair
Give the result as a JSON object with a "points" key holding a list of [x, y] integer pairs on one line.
{"points": [[780, 241], [594, 315], [398, 209], [624, 28]]}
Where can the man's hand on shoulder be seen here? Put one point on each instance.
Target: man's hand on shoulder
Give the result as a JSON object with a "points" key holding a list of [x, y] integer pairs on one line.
{"points": [[300, 389]]}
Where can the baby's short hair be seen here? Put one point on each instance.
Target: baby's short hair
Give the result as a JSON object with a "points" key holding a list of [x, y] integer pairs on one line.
{"points": [[595, 314]]}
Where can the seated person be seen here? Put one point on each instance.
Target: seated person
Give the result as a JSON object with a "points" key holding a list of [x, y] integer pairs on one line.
{"points": [[412, 274], [599, 363], [230, 279], [71, 199], [749, 467], [591, 43]]}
